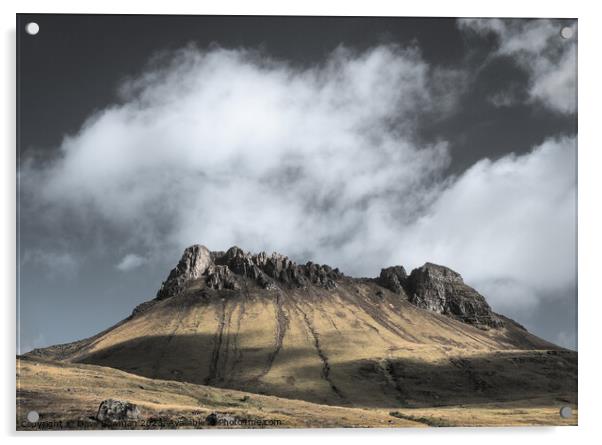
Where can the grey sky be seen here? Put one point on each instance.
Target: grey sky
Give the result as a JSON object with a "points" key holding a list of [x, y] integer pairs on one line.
{"points": [[369, 143]]}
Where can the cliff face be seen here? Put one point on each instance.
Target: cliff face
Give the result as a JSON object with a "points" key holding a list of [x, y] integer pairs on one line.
{"points": [[264, 324]]}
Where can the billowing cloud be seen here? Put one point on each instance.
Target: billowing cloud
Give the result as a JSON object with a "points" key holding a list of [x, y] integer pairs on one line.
{"points": [[225, 147], [130, 261], [537, 47], [231, 147], [509, 226]]}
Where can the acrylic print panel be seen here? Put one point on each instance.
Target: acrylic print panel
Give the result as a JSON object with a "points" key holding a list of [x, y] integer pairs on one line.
{"points": [[416, 177]]}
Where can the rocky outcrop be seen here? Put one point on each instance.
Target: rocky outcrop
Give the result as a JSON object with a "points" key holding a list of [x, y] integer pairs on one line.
{"points": [[393, 278], [111, 411], [233, 268], [221, 277], [440, 289], [277, 269], [432, 287], [193, 264]]}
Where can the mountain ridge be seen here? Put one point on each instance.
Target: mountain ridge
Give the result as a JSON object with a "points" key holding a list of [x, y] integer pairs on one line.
{"points": [[262, 323], [431, 286]]}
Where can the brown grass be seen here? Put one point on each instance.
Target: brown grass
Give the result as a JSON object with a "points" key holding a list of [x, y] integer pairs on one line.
{"points": [[67, 396]]}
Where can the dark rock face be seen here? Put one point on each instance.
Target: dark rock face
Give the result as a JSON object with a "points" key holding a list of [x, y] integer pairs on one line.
{"points": [[111, 411], [440, 289], [229, 270], [393, 279], [268, 271], [221, 277]]}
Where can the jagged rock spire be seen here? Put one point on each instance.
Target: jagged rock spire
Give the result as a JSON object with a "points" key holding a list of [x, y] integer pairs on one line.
{"points": [[194, 263]]}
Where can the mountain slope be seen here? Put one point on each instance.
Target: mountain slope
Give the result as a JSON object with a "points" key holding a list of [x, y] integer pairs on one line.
{"points": [[264, 324]]}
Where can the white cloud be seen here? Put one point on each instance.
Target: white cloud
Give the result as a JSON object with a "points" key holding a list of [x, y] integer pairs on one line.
{"points": [[230, 147], [508, 226], [130, 261], [537, 47]]}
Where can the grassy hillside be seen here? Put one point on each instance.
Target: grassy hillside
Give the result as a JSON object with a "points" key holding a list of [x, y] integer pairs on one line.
{"points": [[357, 345], [67, 396]]}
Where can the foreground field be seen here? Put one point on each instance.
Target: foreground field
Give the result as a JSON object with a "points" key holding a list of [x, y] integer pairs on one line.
{"points": [[67, 396]]}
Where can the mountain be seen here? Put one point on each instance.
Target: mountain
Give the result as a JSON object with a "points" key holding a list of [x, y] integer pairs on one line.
{"points": [[263, 324]]}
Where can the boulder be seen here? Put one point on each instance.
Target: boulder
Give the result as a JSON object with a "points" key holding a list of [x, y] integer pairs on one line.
{"points": [[111, 411], [214, 419]]}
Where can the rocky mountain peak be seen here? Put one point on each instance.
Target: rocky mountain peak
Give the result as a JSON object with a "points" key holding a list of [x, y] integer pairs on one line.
{"points": [[432, 287], [194, 263], [442, 290], [234, 268]]}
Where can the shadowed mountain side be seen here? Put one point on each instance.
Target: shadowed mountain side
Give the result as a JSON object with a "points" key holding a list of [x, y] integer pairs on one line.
{"points": [[462, 379], [385, 382]]}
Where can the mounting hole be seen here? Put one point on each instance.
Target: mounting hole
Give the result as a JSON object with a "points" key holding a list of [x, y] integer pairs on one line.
{"points": [[566, 32], [33, 416], [32, 28], [566, 412]]}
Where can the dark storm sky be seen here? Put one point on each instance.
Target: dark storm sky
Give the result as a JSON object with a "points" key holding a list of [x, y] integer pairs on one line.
{"points": [[75, 65]]}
